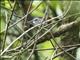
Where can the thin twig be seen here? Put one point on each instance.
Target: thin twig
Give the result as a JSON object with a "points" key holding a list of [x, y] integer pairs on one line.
{"points": [[22, 17], [7, 25], [61, 47], [18, 38], [63, 52], [65, 13], [68, 46], [38, 38]]}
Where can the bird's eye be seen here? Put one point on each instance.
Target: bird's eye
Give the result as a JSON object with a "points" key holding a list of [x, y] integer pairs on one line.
{"points": [[35, 19]]}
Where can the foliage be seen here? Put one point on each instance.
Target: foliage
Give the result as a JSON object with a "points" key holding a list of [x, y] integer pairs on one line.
{"points": [[39, 30]]}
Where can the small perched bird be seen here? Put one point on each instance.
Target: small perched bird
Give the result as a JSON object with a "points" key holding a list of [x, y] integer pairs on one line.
{"points": [[39, 20], [36, 21]]}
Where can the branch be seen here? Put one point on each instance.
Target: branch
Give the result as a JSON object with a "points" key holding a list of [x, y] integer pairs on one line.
{"points": [[62, 29], [63, 52]]}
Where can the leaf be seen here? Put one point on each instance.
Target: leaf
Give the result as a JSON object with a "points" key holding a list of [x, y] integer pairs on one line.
{"points": [[78, 54]]}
